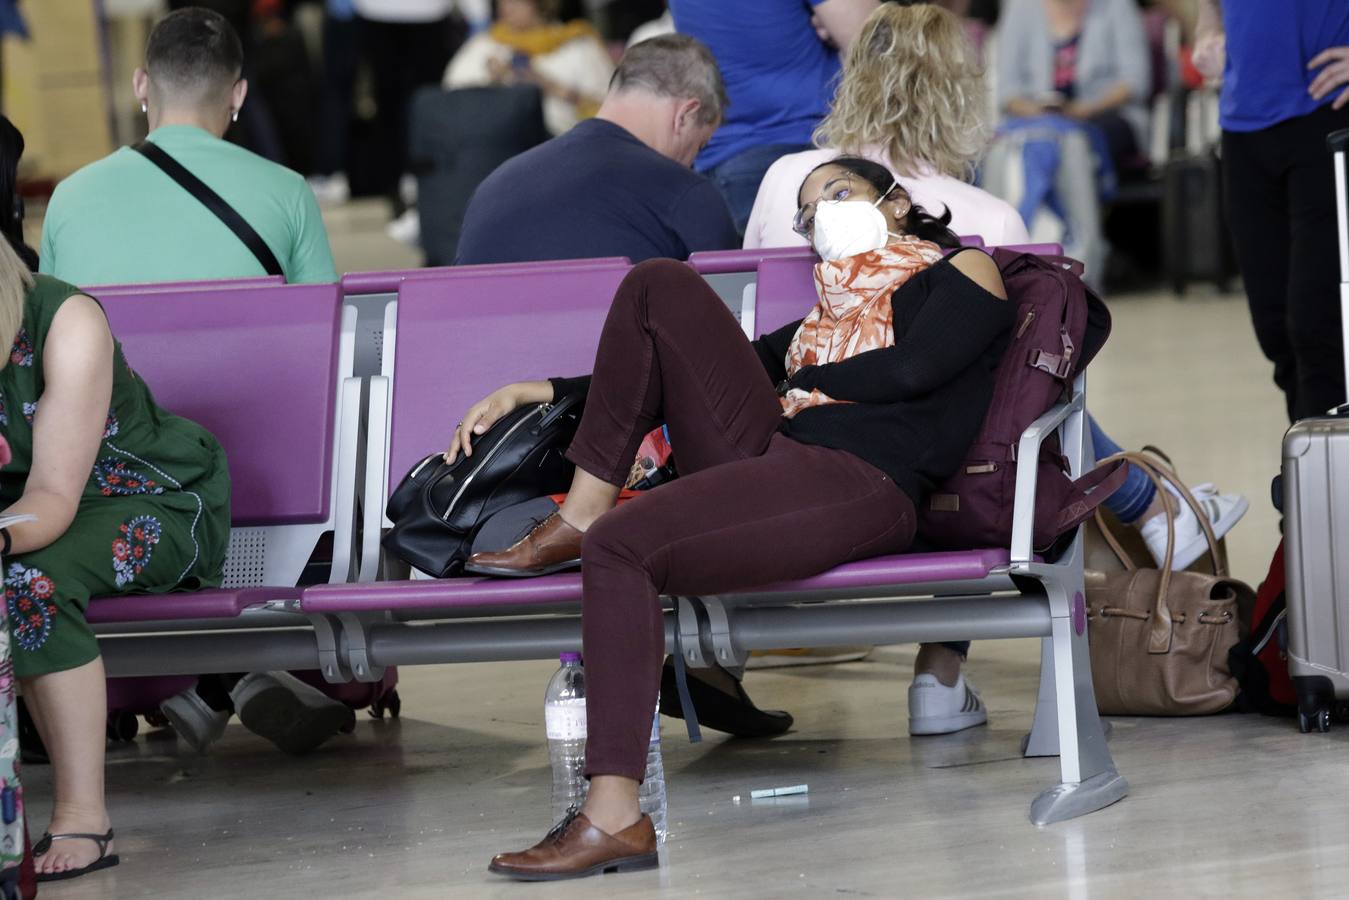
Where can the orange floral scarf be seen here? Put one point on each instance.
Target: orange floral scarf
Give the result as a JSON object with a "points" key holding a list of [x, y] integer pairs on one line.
{"points": [[854, 314]]}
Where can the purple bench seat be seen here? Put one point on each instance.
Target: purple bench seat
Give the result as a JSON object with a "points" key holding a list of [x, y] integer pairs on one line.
{"points": [[161, 287], [463, 593], [260, 369], [223, 603], [387, 282]]}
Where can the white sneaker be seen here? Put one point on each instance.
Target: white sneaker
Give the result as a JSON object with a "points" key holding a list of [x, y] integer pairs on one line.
{"points": [[1223, 511], [406, 229], [193, 720], [935, 708], [289, 713], [330, 190]]}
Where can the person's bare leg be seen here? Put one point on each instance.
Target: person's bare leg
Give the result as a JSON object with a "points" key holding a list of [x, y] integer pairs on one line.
{"points": [[588, 499], [70, 711], [939, 660], [611, 804]]}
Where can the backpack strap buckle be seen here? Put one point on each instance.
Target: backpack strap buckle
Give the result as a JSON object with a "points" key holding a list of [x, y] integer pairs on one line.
{"points": [[1060, 365]]}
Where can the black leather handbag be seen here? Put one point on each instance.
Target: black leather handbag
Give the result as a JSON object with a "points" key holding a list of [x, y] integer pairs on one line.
{"points": [[438, 507]]}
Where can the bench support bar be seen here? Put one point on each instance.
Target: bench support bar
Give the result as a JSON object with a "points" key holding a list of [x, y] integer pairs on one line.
{"points": [[1066, 722]]}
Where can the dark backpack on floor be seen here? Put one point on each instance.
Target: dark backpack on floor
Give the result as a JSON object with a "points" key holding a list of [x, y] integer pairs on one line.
{"points": [[1061, 325]]}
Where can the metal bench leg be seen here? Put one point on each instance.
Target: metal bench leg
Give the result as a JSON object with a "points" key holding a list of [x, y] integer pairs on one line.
{"points": [[1066, 721]]}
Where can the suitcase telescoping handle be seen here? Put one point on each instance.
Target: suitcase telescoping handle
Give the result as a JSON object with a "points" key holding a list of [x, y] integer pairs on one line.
{"points": [[1338, 142]]}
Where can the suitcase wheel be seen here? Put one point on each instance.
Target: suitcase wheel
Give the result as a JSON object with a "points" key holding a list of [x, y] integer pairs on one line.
{"points": [[390, 703], [123, 727], [1315, 697], [1316, 721]]}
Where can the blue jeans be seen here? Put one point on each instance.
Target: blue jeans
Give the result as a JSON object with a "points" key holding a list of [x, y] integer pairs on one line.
{"points": [[738, 178], [1135, 495]]}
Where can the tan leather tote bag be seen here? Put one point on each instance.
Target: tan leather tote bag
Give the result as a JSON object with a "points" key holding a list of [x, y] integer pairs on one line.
{"points": [[1158, 638]]}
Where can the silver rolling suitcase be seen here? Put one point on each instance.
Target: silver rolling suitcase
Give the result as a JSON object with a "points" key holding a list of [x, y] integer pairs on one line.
{"points": [[1316, 525]]}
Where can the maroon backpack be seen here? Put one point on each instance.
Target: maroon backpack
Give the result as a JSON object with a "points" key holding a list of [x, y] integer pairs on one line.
{"points": [[1061, 325]]}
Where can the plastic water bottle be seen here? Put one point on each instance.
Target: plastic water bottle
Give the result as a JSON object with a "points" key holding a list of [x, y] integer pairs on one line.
{"points": [[652, 793], [564, 716]]}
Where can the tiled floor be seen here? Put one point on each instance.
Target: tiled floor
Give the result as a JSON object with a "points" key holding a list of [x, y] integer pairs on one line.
{"points": [[1226, 806]]}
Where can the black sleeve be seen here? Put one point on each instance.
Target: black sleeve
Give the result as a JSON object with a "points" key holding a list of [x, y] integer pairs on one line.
{"points": [[566, 387], [772, 350], [957, 323]]}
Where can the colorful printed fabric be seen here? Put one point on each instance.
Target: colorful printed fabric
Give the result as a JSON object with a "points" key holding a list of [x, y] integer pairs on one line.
{"points": [[29, 597], [11, 795], [22, 353], [116, 480], [854, 314], [133, 547]]}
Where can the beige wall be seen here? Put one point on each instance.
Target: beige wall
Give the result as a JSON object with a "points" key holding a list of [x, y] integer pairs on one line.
{"points": [[54, 90]]}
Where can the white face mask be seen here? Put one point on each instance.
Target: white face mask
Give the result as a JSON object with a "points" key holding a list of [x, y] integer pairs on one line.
{"points": [[844, 228]]}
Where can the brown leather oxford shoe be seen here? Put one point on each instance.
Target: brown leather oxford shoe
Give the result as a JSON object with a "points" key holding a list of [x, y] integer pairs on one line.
{"points": [[551, 546], [575, 848]]}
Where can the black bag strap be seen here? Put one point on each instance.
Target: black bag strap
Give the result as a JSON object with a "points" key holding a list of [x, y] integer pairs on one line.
{"points": [[214, 202]]}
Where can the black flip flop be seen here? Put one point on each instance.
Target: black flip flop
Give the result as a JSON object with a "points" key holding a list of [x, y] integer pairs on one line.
{"points": [[104, 861]]}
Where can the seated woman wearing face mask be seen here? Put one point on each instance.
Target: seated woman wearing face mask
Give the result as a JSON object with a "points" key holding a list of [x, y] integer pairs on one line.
{"points": [[879, 391]]}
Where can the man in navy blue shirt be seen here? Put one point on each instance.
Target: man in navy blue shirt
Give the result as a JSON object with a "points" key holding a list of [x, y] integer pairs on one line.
{"points": [[780, 59], [1284, 89], [619, 184]]}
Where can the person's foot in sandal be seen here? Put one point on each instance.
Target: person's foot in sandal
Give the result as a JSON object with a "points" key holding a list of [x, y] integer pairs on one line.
{"points": [[72, 848]]}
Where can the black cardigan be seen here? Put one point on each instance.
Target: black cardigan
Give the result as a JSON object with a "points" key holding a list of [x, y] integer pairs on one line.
{"points": [[917, 406]]}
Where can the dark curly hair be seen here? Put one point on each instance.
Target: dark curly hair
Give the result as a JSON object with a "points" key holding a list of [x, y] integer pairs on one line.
{"points": [[919, 222]]}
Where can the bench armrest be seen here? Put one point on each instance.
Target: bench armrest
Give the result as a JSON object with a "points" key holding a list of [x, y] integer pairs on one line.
{"points": [[1069, 415], [375, 487]]}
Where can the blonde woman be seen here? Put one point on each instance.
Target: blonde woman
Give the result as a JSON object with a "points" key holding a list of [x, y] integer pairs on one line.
{"points": [[125, 497], [913, 100]]}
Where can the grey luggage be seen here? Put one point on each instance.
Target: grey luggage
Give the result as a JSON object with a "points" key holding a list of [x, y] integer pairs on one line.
{"points": [[456, 139], [1196, 244], [1316, 527]]}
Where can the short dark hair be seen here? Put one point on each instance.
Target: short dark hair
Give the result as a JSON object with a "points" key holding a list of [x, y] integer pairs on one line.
{"points": [[674, 65], [194, 50]]}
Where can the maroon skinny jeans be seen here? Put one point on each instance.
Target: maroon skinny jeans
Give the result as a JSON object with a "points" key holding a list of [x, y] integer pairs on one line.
{"points": [[750, 507]]}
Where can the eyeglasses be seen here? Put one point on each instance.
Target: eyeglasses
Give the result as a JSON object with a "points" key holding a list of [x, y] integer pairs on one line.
{"points": [[834, 191]]}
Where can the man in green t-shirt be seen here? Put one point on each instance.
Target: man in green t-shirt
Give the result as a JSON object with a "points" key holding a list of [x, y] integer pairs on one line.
{"points": [[123, 220]]}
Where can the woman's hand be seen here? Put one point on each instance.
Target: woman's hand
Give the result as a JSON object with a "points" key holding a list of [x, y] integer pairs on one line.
{"points": [[487, 411]]}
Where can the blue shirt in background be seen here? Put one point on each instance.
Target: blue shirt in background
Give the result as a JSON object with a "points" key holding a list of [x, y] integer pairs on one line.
{"points": [[593, 191], [779, 77], [1269, 43]]}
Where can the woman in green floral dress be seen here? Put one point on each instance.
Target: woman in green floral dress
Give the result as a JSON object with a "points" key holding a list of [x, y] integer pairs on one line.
{"points": [[127, 498]]}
